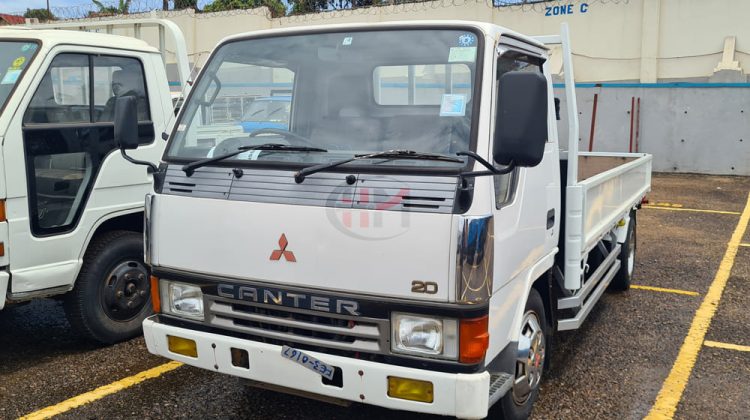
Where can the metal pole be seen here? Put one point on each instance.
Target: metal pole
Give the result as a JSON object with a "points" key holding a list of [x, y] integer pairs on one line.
{"points": [[593, 123], [637, 124], [632, 116]]}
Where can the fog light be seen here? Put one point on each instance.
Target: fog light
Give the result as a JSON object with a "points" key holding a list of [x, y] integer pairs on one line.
{"points": [[183, 346], [410, 389]]}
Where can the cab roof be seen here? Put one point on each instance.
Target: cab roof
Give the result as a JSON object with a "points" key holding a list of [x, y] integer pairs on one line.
{"points": [[488, 29], [51, 37]]}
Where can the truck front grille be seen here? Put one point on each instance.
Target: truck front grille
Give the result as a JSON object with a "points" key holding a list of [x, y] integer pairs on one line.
{"points": [[299, 326]]}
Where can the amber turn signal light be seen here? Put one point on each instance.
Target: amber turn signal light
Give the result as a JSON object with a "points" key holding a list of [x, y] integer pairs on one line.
{"points": [[474, 339], [155, 298]]}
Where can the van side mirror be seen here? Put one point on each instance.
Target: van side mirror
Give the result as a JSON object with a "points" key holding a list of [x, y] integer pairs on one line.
{"points": [[126, 122], [521, 120]]}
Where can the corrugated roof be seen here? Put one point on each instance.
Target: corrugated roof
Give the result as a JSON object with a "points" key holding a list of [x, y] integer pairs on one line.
{"points": [[12, 19]]}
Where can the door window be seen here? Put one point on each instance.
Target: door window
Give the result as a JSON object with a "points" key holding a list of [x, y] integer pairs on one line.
{"points": [[68, 132]]}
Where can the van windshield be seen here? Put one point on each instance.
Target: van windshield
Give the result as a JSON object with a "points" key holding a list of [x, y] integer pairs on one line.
{"points": [[15, 56], [350, 93]]}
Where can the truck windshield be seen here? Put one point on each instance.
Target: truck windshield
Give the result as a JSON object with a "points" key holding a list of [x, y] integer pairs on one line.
{"points": [[350, 93], [15, 56]]}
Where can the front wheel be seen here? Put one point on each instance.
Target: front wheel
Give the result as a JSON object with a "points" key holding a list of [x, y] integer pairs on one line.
{"points": [[532, 350], [111, 297]]}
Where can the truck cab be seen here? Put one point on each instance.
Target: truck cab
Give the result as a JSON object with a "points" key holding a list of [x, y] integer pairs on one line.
{"points": [[405, 240], [72, 206]]}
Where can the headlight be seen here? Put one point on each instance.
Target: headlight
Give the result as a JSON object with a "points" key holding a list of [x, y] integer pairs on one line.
{"points": [[182, 299], [424, 336]]}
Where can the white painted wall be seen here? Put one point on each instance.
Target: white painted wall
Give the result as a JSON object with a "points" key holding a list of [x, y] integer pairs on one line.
{"points": [[633, 40]]}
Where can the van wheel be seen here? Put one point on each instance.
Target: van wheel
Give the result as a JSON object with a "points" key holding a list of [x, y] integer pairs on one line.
{"points": [[530, 361], [111, 297], [621, 280]]}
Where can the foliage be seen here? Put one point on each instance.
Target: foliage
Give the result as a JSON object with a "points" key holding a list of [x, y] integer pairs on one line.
{"points": [[43, 15], [121, 9], [276, 7], [185, 4]]}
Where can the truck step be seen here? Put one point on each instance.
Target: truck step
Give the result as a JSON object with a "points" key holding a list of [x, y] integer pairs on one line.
{"points": [[576, 321], [500, 384], [576, 301]]}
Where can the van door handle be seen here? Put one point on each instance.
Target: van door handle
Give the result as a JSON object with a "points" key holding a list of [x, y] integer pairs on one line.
{"points": [[550, 218]]}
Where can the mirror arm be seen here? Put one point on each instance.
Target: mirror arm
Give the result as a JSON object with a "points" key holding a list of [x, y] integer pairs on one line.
{"points": [[151, 168], [491, 169]]}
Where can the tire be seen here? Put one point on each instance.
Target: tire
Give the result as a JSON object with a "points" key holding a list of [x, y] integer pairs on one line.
{"points": [[111, 297], [532, 350], [621, 281]]}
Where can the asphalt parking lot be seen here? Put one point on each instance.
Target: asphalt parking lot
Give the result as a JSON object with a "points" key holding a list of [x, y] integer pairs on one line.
{"points": [[677, 344]]}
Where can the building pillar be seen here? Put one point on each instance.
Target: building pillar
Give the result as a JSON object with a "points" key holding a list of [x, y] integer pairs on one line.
{"points": [[650, 41]]}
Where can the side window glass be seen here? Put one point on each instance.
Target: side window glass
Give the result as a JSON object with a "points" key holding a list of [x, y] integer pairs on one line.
{"points": [[505, 185], [115, 77], [63, 96]]}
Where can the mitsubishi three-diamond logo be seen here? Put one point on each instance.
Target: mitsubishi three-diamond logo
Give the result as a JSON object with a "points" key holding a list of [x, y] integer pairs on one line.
{"points": [[278, 253]]}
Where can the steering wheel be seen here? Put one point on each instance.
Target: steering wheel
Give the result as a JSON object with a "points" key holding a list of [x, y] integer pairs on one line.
{"points": [[284, 133], [231, 144]]}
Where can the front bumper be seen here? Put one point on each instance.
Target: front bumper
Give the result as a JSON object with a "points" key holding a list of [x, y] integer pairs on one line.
{"points": [[455, 394]]}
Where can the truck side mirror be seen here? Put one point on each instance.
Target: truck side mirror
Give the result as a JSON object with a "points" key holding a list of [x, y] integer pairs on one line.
{"points": [[521, 120], [126, 122]]}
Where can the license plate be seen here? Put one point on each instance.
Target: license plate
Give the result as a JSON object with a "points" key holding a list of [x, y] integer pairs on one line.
{"points": [[308, 361]]}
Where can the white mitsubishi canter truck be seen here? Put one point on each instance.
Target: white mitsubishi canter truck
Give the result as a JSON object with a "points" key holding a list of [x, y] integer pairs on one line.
{"points": [[413, 235]]}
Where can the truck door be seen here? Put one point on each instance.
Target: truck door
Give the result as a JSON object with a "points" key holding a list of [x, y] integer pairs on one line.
{"points": [[67, 134], [525, 199]]}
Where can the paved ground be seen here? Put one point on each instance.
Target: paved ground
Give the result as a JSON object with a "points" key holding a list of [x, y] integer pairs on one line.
{"points": [[613, 367]]}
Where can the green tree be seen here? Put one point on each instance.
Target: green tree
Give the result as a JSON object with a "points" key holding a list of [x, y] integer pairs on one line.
{"points": [[123, 8], [276, 7], [43, 15], [308, 6], [185, 4]]}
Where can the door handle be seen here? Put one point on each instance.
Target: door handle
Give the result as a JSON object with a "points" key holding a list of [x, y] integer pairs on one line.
{"points": [[550, 218]]}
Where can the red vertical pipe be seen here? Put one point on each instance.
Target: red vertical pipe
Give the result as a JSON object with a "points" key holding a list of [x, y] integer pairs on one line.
{"points": [[637, 123], [632, 116], [593, 123]]}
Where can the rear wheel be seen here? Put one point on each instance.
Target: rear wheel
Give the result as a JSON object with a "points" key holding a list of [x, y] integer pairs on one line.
{"points": [[111, 297], [624, 276], [532, 350]]}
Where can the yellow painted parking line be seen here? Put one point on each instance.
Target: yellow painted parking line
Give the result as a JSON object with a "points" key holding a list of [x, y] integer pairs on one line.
{"points": [[692, 210], [745, 245], [727, 346], [661, 289], [673, 387], [101, 392]]}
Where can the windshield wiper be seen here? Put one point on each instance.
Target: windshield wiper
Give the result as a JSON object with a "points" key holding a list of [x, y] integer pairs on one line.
{"points": [[299, 177], [190, 168]]}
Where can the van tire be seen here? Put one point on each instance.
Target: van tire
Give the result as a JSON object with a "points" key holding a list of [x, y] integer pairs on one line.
{"points": [[513, 406], [621, 281], [111, 297]]}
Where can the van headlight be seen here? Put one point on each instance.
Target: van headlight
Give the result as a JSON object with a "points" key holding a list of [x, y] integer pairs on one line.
{"points": [[424, 336], [182, 299]]}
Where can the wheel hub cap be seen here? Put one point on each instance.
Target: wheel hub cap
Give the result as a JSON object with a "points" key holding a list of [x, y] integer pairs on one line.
{"points": [[126, 291], [530, 359]]}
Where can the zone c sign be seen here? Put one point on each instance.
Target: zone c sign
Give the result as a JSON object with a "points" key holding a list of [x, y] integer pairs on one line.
{"points": [[566, 9]]}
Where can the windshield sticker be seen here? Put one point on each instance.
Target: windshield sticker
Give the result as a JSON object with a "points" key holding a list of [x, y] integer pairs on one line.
{"points": [[181, 127], [347, 41], [453, 105], [467, 40], [28, 47], [11, 77], [458, 54], [18, 62]]}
